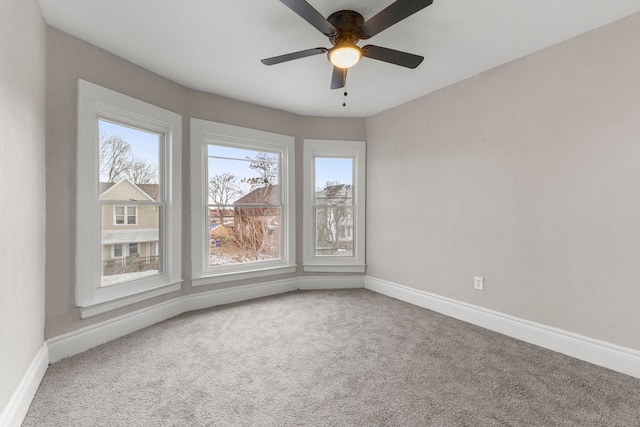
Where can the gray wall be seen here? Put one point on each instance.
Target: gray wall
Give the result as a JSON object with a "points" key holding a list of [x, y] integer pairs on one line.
{"points": [[527, 175], [69, 59], [22, 190]]}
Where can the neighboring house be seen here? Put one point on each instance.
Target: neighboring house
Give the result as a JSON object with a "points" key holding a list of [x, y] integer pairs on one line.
{"points": [[256, 225], [130, 233], [267, 195]]}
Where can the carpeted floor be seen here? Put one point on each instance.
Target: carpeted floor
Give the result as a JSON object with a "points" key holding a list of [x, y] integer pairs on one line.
{"points": [[328, 358]]}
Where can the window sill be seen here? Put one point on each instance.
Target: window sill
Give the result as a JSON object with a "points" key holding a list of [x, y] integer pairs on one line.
{"points": [[94, 310], [333, 268], [241, 275]]}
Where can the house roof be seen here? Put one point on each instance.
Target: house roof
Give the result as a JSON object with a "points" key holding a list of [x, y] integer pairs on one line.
{"points": [[338, 190], [146, 191], [263, 195]]}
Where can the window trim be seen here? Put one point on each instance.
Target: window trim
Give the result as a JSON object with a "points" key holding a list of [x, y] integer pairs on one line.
{"points": [[94, 103], [125, 216], [204, 132], [340, 149]]}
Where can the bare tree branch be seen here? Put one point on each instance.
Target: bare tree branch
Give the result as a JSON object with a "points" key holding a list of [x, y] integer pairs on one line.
{"points": [[267, 167], [117, 162], [223, 190]]}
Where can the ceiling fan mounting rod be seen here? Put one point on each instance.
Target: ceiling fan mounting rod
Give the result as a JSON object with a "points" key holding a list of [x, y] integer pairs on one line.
{"points": [[348, 23]]}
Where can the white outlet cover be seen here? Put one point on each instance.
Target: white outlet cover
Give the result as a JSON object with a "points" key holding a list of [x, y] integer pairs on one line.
{"points": [[478, 283]]}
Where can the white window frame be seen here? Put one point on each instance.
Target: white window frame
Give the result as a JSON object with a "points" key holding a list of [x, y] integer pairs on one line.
{"points": [[355, 150], [94, 103], [204, 133], [126, 215]]}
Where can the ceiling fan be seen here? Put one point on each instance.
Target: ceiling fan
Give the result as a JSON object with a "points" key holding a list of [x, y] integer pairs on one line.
{"points": [[345, 28]]}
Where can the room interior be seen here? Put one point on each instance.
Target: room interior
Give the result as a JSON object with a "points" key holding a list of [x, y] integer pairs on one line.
{"points": [[521, 172]]}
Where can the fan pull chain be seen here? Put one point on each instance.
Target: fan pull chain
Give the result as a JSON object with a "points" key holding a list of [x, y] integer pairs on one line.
{"points": [[344, 95]]}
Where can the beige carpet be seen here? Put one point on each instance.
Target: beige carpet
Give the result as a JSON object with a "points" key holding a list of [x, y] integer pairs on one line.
{"points": [[328, 358]]}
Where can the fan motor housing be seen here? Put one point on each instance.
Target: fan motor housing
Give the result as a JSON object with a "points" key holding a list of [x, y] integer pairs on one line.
{"points": [[348, 23]]}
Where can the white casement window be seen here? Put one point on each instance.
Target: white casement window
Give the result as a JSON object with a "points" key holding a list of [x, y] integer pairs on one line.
{"points": [[125, 215], [242, 203], [334, 206], [128, 217]]}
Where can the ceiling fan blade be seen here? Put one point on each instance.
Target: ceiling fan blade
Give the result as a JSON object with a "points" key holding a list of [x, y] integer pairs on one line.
{"points": [[312, 16], [338, 78], [292, 56], [396, 57], [393, 14]]}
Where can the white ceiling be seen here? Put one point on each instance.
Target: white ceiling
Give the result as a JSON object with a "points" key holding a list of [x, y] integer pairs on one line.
{"points": [[216, 45]]}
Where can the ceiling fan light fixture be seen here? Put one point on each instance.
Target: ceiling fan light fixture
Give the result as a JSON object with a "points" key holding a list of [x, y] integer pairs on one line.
{"points": [[345, 55]]}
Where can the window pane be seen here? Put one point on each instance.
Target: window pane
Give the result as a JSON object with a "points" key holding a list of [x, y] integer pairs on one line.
{"points": [[334, 201], [129, 153], [242, 235], [334, 230], [242, 176], [330, 171], [236, 178], [136, 248], [129, 171]]}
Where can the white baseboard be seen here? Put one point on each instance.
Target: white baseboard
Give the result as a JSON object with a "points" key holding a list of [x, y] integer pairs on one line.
{"points": [[611, 356], [83, 339], [13, 414], [330, 282], [215, 297]]}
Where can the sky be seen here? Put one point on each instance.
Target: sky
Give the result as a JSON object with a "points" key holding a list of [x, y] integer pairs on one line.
{"points": [[333, 169], [143, 144]]}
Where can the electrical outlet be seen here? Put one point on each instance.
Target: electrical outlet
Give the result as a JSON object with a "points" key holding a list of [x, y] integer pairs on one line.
{"points": [[478, 283]]}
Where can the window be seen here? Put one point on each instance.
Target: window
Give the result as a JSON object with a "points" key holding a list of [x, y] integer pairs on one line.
{"points": [[121, 250], [117, 250], [128, 200], [244, 205], [243, 211], [125, 215], [334, 208]]}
